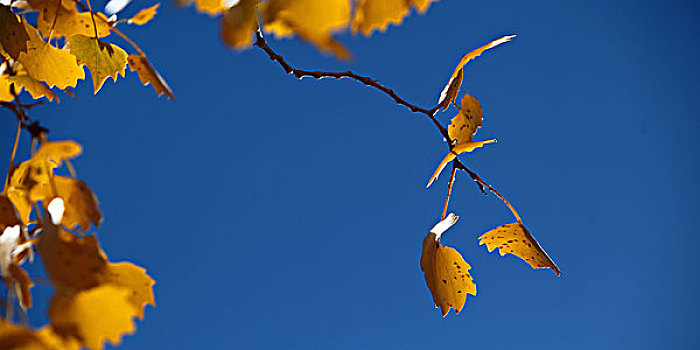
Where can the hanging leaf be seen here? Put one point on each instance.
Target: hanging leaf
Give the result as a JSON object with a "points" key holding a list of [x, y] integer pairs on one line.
{"points": [[452, 87], [104, 60], [446, 272], [5, 92], [516, 239], [238, 24], [373, 15], [457, 150], [210, 7], [8, 214], [149, 75], [13, 35], [81, 205], [422, 5], [68, 21], [55, 67], [465, 124], [145, 15], [35, 87]]}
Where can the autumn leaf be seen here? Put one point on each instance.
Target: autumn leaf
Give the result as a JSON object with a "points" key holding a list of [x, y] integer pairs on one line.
{"points": [[80, 203], [34, 87], [373, 15], [149, 75], [134, 278], [210, 7], [446, 272], [5, 92], [516, 239], [69, 21], [238, 24], [104, 60], [422, 5], [465, 124], [55, 67], [8, 214], [312, 20], [145, 15], [452, 87], [13, 35], [457, 150], [13, 244]]}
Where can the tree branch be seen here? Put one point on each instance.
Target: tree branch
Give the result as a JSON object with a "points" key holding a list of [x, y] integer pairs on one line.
{"points": [[299, 73], [459, 165]]}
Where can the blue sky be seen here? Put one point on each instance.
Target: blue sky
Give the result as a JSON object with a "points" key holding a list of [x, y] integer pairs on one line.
{"points": [[283, 213]]}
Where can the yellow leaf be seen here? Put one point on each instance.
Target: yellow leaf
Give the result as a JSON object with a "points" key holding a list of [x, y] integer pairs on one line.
{"points": [[5, 93], [312, 20], [465, 124], [56, 342], [93, 316], [422, 5], [55, 67], [453, 90], [378, 14], [104, 60], [57, 151], [69, 21], [17, 337], [210, 7], [238, 24], [13, 36], [516, 239], [149, 75], [81, 205], [453, 84], [457, 150], [35, 88], [446, 272], [134, 278], [145, 15]]}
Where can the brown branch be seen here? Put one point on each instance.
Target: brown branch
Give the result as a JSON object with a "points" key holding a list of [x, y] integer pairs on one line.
{"points": [[459, 165], [299, 73]]}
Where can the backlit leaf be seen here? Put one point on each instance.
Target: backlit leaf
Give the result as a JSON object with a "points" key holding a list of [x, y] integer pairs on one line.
{"points": [[5, 92], [312, 20], [35, 87], [210, 7], [145, 15], [453, 84], [378, 14], [238, 24], [134, 278], [149, 75], [465, 124], [446, 272], [516, 239], [104, 60], [13, 35], [81, 205], [422, 5], [55, 67], [457, 150], [69, 21]]}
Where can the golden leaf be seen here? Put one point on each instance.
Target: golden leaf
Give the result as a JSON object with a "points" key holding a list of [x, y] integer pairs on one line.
{"points": [[55, 67], [145, 15], [104, 60], [210, 7], [93, 316], [422, 5], [5, 93], [20, 338], [446, 272], [81, 205], [453, 90], [149, 75], [69, 21], [238, 24], [35, 87], [378, 14], [134, 278], [56, 342], [312, 20], [13, 36], [453, 84], [465, 124], [516, 239], [457, 150]]}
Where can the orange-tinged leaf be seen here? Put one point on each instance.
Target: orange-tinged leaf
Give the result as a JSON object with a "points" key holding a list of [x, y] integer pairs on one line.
{"points": [[452, 90], [238, 24], [422, 5], [210, 7], [20, 279], [149, 75], [134, 278], [56, 342], [103, 59], [453, 84], [516, 239], [446, 272], [465, 124], [312, 20], [69, 21], [378, 14], [56, 152], [35, 87], [55, 67], [457, 150], [145, 15], [20, 338], [80, 203], [94, 316], [5, 92], [8, 214], [13, 35]]}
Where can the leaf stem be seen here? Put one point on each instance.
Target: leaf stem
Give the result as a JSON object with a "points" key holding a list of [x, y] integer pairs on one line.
{"points": [[458, 164], [12, 156], [92, 15], [449, 191]]}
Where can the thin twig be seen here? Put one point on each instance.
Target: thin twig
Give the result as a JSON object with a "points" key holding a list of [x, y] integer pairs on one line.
{"points": [[299, 73], [458, 164], [12, 156], [449, 191], [92, 15]]}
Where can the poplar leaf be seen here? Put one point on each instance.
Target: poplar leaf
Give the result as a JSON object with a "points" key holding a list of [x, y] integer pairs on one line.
{"points": [[8, 214], [5, 93], [373, 15], [81, 205], [210, 7], [445, 271], [453, 84], [149, 75], [422, 5], [238, 24], [516, 239], [464, 125], [68, 21], [104, 60], [34, 87], [145, 15], [55, 67], [13, 35], [457, 150]]}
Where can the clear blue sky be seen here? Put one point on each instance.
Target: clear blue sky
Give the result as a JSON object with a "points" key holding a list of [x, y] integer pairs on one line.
{"points": [[284, 214]]}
